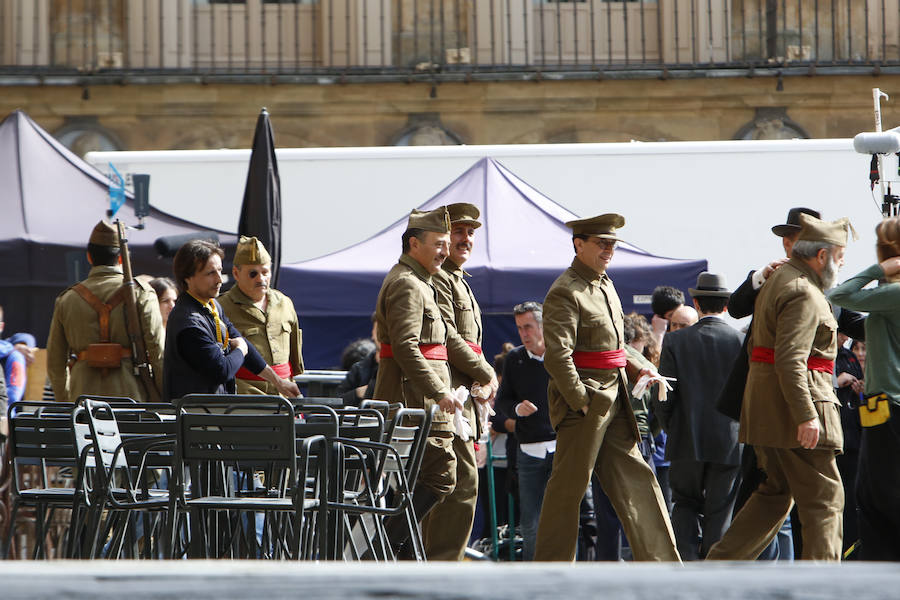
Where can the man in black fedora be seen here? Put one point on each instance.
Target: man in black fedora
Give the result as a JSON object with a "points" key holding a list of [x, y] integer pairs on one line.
{"points": [[703, 443]]}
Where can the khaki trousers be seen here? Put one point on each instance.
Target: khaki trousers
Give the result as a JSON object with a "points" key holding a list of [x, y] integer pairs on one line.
{"points": [[809, 477], [446, 529], [438, 470], [605, 444]]}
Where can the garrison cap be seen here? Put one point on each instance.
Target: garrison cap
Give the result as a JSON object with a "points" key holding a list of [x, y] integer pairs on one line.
{"points": [[817, 230], [430, 220], [603, 226], [463, 212], [104, 234], [250, 251]]}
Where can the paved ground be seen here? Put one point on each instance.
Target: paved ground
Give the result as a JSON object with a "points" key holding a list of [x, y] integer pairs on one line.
{"points": [[219, 580]]}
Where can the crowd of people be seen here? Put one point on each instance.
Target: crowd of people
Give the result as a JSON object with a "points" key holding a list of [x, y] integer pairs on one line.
{"points": [[678, 438]]}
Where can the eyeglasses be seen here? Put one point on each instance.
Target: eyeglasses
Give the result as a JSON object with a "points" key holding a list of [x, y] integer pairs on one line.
{"points": [[605, 244], [526, 307]]}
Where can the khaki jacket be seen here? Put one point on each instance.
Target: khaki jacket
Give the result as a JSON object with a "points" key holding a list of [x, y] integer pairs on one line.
{"points": [[75, 326], [463, 317], [407, 315], [275, 333], [582, 312], [793, 317]]}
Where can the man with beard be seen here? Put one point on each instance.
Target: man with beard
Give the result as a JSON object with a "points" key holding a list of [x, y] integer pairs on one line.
{"points": [[447, 528], [264, 316], [790, 411]]}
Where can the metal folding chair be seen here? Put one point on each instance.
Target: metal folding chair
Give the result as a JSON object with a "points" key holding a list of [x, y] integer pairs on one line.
{"points": [[219, 436], [116, 475], [40, 441]]}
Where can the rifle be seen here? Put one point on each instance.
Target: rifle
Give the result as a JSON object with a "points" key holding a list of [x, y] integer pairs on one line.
{"points": [[142, 369]]}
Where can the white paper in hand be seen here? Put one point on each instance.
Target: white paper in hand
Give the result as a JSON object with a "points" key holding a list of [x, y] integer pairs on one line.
{"points": [[646, 381], [461, 424]]}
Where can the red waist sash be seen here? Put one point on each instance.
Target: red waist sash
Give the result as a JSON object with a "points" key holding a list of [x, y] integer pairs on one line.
{"points": [[429, 351], [283, 370], [813, 363], [475, 347], [608, 359]]}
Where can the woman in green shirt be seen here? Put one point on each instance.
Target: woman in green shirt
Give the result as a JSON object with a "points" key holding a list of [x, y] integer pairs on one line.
{"points": [[878, 479]]}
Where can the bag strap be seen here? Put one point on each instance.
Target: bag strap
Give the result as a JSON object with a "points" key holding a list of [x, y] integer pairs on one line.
{"points": [[101, 308]]}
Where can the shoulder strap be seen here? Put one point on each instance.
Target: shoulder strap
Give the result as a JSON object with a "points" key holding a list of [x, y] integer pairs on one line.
{"points": [[102, 309]]}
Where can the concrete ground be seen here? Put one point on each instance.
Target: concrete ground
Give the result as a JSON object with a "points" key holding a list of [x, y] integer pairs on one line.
{"points": [[219, 580]]}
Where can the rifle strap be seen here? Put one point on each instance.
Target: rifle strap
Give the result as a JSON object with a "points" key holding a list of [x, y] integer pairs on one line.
{"points": [[101, 308]]}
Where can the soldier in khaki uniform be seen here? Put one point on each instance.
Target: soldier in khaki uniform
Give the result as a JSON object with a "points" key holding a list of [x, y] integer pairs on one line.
{"points": [[264, 316], [790, 412], [590, 409], [448, 526], [77, 324], [415, 347]]}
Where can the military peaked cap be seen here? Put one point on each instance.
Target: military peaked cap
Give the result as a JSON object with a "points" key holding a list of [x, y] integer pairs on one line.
{"points": [[463, 212], [603, 226]]}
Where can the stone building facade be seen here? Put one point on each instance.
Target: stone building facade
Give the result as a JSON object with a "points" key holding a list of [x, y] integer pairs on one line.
{"points": [[191, 74]]}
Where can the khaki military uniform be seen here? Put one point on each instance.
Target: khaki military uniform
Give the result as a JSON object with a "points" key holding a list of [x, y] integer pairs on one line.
{"points": [[408, 316], [582, 313], [75, 325], [447, 527], [793, 317], [275, 333]]}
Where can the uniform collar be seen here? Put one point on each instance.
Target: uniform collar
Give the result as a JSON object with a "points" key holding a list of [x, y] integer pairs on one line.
{"points": [[454, 269], [807, 270], [105, 270], [418, 269], [587, 273], [240, 297]]}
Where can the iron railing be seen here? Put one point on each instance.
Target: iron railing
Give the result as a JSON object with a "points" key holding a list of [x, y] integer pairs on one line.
{"points": [[450, 38]]}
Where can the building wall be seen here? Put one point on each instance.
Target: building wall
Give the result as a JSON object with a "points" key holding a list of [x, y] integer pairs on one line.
{"points": [[193, 116]]}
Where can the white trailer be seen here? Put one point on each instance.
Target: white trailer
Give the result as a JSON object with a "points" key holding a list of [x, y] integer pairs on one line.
{"points": [[714, 200]]}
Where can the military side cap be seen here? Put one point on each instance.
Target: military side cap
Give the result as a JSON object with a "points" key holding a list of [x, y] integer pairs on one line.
{"points": [[463, 212], [792, 225], [430, 220], [250, 251], [834, 233], [104, 234], [603, 226]]}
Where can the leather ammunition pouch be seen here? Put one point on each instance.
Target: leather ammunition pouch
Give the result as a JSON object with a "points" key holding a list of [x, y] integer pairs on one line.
{"points": [[103, 354]]}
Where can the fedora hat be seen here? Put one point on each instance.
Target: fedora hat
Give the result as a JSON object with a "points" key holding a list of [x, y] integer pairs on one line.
{"points": [[710, 284], [793, 225]]}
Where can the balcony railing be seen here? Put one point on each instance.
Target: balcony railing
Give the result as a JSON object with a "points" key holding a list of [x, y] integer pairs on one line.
{"points": [[463, 38]]}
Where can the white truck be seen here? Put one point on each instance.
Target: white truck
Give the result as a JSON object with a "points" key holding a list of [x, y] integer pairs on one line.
{"points": [[713, 200]]}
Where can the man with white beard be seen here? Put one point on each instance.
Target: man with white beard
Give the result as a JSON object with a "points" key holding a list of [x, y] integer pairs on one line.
{"points": [[790, 411]]}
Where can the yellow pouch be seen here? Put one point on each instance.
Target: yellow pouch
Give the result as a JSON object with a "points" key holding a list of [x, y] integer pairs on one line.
{"points": [[875, 411]]}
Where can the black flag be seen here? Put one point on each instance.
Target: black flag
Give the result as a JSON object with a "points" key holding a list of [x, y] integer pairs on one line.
{"points": [[261, 209]]}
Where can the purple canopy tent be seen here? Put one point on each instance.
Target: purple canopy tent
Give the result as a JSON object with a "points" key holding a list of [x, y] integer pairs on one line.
{"points": [[50, 200], [521, 249]]}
